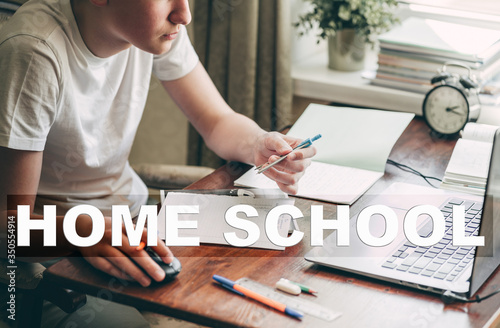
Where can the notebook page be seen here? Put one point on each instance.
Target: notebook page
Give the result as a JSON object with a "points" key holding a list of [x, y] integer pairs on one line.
{"points": [[479, 132], [470, 159], [327, 182], [351, 137]]}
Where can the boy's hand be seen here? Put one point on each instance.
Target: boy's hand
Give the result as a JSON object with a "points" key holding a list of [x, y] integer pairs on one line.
{"points": [[270, 146], [117, 261]]}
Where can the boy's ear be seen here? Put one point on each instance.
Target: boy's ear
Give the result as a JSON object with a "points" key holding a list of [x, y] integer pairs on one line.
{"points": [[99, 3]]}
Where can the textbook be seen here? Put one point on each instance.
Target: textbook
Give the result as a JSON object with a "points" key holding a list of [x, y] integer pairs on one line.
{"points": [[351, 154], [468, 167]]}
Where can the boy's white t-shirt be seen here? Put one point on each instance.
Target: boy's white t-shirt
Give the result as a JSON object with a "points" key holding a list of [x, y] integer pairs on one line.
{"points": [[80, 110]]}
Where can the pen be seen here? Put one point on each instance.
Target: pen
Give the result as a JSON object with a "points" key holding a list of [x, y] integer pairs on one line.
{"points": [[304, 144], [238, 289], [223, 192]]}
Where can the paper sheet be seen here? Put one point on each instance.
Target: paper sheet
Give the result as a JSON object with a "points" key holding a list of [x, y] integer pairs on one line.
{"points": [[470, 158], [331, 183], [211, 222], [351, 137]]}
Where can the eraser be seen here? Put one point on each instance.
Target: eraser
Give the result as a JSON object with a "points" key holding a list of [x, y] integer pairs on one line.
{"points": [[288, 287]]}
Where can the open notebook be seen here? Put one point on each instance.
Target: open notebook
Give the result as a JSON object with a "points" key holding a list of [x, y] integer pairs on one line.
{"points": [[352, 151], [467, 169]]}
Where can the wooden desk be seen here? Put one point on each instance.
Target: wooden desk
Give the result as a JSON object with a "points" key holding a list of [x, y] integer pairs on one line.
{"points": [[364, 302]]}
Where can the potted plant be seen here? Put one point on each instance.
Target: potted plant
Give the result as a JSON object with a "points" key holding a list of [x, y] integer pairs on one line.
{"points": [[348, 25]]}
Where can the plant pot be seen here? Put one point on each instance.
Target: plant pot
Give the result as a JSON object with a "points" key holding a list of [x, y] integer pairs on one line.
{"points": [[346, 51]]}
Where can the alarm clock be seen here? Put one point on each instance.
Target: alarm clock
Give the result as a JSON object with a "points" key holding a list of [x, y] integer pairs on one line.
{"points": [[452, 102]]}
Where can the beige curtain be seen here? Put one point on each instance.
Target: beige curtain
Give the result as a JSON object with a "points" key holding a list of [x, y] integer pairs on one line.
{"points": [[245, 47]]}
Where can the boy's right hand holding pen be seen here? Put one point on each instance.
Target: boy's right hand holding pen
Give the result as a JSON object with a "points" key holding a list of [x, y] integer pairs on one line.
{"points": [[304, 144], [294, 156]]}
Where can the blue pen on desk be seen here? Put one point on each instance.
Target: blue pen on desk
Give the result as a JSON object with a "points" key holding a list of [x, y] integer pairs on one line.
{"points": [[304, 144], [240, 290]]}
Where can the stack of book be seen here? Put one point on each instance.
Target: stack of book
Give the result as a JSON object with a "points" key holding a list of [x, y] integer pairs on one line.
{"points": [[414, 51]]}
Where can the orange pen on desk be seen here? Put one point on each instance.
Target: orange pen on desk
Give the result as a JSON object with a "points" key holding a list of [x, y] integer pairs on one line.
{"points": [[240, 290]]}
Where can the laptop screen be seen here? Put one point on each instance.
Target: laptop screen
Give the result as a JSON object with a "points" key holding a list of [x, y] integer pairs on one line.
{"points": [[488, 257]]}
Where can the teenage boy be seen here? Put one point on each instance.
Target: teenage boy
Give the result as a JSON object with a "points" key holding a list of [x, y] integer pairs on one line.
{"points": [[75, 76]]}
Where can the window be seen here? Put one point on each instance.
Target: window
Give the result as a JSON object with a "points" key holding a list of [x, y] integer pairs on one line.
{"points": [[488, 7], [484, 13]]}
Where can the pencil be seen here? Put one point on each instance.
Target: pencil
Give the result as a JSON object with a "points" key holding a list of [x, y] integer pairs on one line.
{"points": [[303, 288]]}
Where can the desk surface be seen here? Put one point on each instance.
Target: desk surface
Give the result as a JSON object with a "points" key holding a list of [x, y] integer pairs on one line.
{"points": [[363, 302]]}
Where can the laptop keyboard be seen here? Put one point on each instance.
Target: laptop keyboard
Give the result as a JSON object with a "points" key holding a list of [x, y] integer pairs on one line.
{"points": [[443, 260]]}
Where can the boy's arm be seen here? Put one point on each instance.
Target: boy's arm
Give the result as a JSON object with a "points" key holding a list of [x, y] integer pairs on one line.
{"points": [[19, 180], [234, 136], [18, 185]]}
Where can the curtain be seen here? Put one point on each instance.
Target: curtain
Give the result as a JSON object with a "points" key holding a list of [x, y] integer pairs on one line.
{"points": [[245, 47]]}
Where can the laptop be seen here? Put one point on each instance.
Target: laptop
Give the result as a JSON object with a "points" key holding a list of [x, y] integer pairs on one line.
{"points": [[441, 268]]}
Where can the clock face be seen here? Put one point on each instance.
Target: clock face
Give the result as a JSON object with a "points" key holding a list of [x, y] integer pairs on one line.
{"points": [[446, 109]]}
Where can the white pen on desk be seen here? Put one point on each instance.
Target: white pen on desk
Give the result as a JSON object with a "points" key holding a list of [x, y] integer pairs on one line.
{"points": [[304, 144]]}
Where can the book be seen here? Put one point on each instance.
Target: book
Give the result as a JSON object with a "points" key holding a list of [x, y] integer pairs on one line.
{"points": [[489, 92], [351, 154], [211, 223], [402, 82], [439, 38], [396, 82], [406, 72], [467, 170], [434, 64]]}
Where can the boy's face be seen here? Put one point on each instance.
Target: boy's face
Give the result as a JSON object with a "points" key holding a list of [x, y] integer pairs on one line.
{"points": [[150, 25]]}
